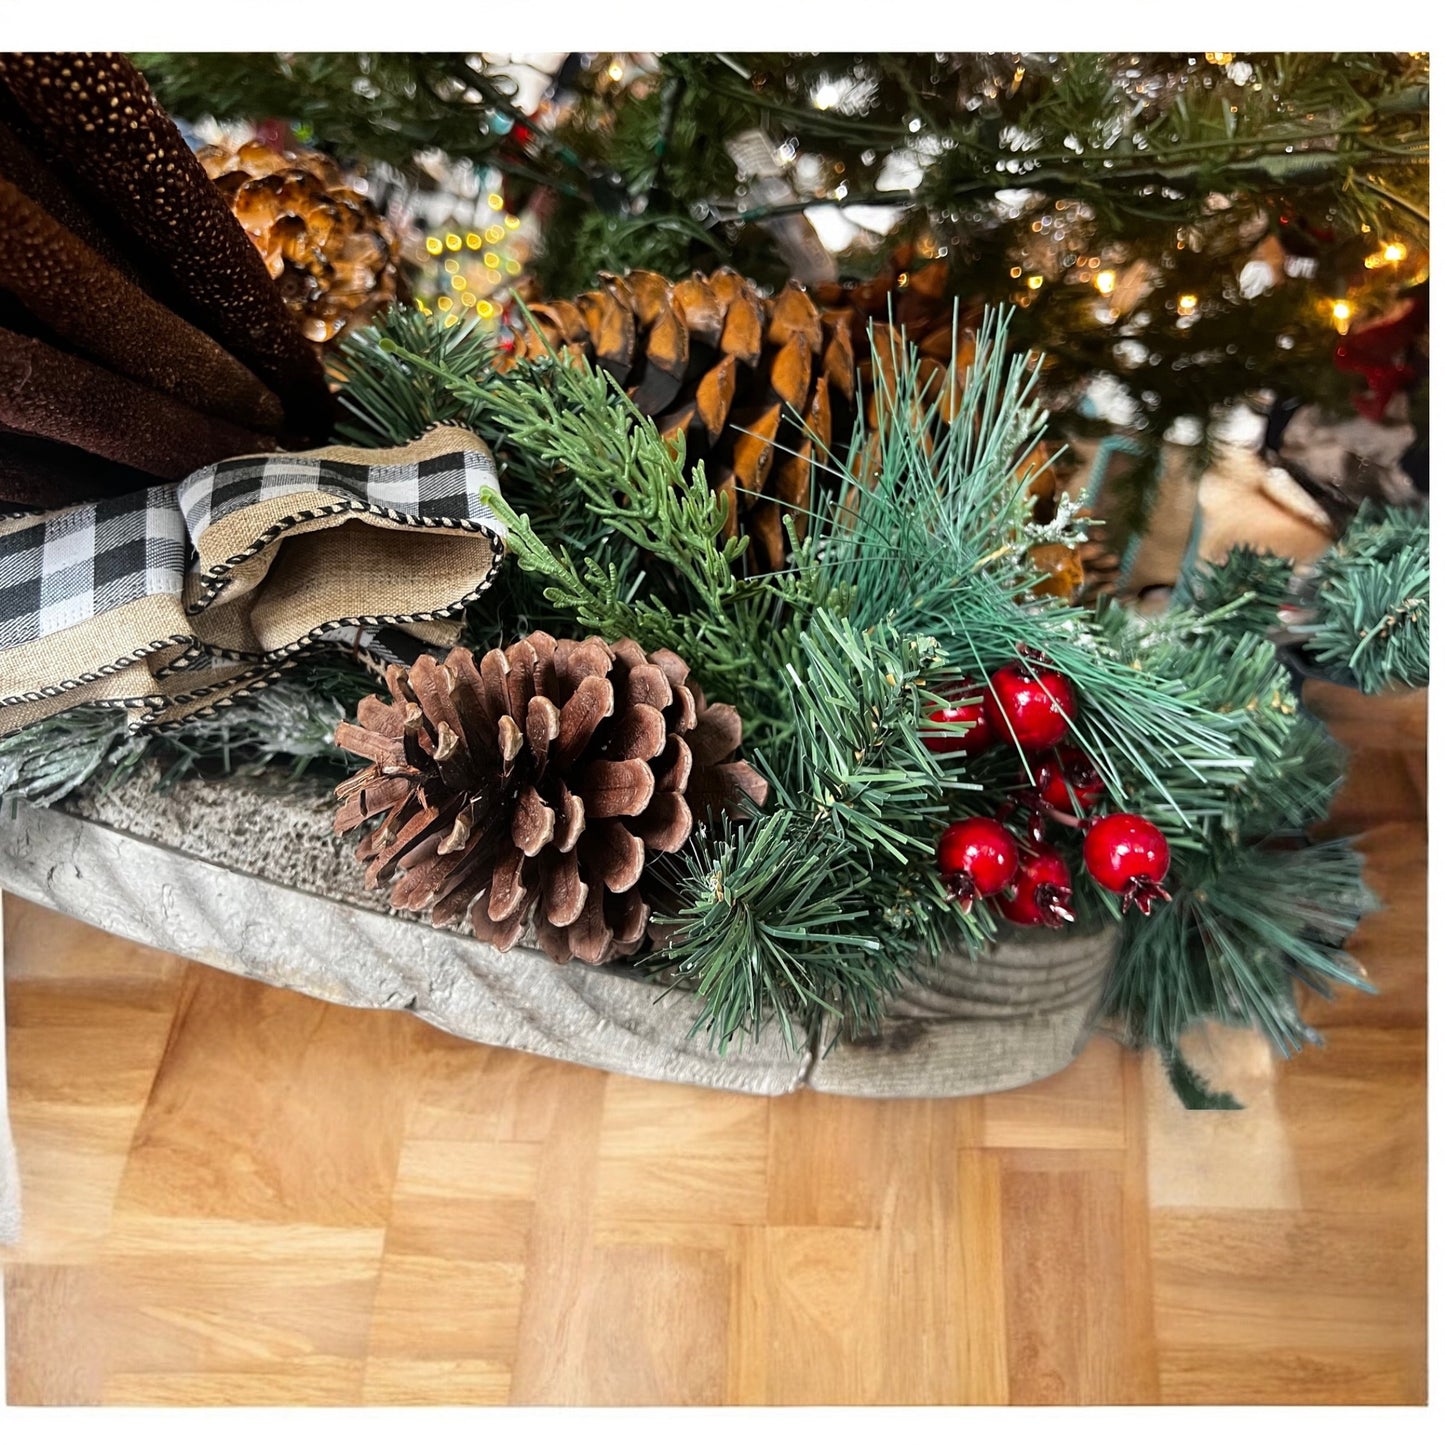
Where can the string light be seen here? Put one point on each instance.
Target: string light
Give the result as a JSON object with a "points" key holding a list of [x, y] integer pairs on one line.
{"points": [[1035, 282], [451, 266], [827, 95], [512, 222], [490, 259], [1016, 271], [434, 245], [492, 235], [459, 283], [1393, 253], [495, 201], [615, 71], [1342, 311], [474, 241], [1188, 304], [1219, 57], [1105, 282], [454, 242]]}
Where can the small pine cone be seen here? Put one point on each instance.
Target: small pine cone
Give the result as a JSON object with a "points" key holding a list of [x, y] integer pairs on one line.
{"points": [[536, 780], [333, 258]]}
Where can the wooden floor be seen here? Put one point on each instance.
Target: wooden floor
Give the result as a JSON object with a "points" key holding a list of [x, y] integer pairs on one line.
{"points": [[236, 1195]]}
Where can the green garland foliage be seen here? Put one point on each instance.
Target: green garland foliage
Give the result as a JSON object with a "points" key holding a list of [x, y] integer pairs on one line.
{"points": [[1257, 907], [291, 721], [1244, 591], [1366, 600], [49, 760], [1371, 598], [814, 911], [364, 105]]}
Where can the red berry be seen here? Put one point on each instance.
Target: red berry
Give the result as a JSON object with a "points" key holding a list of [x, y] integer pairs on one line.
{"points": [[1127, 855], [1035, 707], [969, 708], [1068, 781], [1041, 891], [976, 857]]}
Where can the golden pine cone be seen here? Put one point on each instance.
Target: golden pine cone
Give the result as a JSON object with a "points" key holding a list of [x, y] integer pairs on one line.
{"points": [[333, 258], [712, 360], [532, 785]]}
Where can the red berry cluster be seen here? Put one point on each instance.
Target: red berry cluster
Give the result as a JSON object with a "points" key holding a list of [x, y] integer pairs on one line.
{"points": [[1028, 878]]}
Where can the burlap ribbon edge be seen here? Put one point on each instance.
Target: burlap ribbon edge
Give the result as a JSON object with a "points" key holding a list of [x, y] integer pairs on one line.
{"points": [[194, 651], [213, 579]]}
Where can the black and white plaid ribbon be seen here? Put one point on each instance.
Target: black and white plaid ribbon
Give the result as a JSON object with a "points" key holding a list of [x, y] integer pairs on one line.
{"points": [[68, 567], [425, 491], [66, 575]]}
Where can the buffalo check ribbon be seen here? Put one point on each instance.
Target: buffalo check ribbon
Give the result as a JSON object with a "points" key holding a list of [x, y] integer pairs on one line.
{"points": [[181, 599]]}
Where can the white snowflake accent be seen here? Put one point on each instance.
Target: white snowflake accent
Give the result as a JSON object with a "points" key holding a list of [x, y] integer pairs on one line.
{"points": [[1067, 526]]}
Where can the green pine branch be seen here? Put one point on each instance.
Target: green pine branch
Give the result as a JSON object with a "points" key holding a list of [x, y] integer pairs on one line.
{"points": [[1370, 595], [1244, 591], [291, 722], [813, 912]]}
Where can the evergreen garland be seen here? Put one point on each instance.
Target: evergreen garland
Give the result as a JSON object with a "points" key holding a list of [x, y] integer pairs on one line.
{"points": [[814, 912], [1033, 174], [291, 722]]}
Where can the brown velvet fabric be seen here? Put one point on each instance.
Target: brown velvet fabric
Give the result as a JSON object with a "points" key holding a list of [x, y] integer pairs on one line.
{"points": [[95, 310], [53, 394], [132, 304]]}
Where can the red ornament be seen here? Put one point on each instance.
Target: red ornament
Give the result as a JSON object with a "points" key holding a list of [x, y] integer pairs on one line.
{"points": [[1128, 855], [1068, 769], [1379, 352], [968, 708], [977, 857], [1034, 707], [1041, 891]]}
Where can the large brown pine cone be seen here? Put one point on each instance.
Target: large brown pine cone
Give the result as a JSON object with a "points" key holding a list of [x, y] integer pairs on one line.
{"points": [[538, 779], [332, 257], [713, 360]]}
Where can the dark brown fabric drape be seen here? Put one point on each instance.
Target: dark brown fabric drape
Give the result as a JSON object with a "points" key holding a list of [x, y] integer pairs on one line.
{"points": [[138, 324]]}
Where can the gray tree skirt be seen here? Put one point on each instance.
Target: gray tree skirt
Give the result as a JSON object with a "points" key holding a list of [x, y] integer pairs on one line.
{"points": [[248, 877]]}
